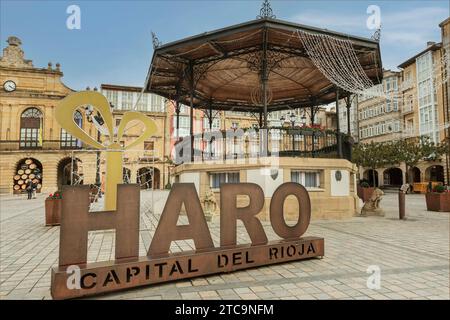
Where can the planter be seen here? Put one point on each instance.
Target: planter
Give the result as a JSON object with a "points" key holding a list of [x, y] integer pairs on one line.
{"points": [[53, 212], [364, 193], [438, 201]]}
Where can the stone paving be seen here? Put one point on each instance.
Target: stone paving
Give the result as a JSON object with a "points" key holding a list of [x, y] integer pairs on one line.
{"points": [[413, 257]]}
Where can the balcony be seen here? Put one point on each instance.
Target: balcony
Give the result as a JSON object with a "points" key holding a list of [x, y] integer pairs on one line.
{"points": [[282, 142], [407, 109], [15, 145], [408, 84]]}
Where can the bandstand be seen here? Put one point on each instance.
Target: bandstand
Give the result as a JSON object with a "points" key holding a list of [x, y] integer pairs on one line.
{"points": [[258, 67]]}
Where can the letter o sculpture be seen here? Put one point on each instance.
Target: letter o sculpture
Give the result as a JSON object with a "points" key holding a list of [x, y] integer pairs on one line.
{"points": [[276, 210]]}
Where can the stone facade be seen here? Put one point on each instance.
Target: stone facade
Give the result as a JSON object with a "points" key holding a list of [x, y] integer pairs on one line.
{"points": [[40, 89], [331, 197], [419, 107], [147, 163]]}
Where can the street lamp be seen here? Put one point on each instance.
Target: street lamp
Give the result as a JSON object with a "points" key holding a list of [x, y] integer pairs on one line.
{"points": [[292, 119], [303, 119]]}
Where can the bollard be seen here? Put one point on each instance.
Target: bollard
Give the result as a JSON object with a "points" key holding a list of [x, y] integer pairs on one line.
{"points": [[401, 200], [401, 205]]}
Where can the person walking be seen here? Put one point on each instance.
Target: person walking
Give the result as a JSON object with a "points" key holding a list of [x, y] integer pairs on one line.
{"points": [[29, 189], [33, 190]]}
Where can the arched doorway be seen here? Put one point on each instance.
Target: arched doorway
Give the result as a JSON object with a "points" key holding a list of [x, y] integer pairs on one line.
{"points": [[69, 172], [414, 175], [27, 169], [148, 177], [371, 176], [126, 175], [435, 173], [393, 177]]}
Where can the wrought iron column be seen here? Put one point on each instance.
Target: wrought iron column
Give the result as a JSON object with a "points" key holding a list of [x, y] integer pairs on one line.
{"points": [[191, 111], [264, 78], [312, 125], [210, 117], [210, 153], [338, 128], [348, 106], [264, 134], [312, 114], [177, 112]]}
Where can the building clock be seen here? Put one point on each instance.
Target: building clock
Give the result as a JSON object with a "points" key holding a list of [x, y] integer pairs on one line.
{"points": [[9, 86]]}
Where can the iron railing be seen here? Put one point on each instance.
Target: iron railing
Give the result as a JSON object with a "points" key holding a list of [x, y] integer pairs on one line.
{"points": [[284, 142]]}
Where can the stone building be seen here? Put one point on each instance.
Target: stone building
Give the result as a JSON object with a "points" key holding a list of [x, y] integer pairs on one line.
{"points": [[445, 67], [28, 129], [418, 106], [146, 164]]}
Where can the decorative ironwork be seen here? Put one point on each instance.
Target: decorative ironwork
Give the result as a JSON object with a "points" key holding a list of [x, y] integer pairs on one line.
{"points": [[201, 69], [266, 11], [257, 95], [273, 60], [155, 40], [377, 34]]}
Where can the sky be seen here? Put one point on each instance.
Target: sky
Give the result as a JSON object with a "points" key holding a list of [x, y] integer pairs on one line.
{"points": [[114, 43]]}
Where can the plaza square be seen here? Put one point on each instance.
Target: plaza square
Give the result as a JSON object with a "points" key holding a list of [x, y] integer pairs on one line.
{"points": [[278, 152], [411, 266]]}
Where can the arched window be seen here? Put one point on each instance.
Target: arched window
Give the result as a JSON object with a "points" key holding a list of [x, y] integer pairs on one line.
{"points": [[67, 140], [31, 124]]}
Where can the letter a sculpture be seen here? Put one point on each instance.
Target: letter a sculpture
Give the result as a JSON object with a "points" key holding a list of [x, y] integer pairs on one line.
{"points": [[64, 116]]}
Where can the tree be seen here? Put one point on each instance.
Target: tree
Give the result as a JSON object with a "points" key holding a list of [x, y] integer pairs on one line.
{"points": [[374, 155]]}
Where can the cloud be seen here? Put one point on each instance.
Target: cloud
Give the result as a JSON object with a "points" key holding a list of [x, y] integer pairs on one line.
{"points": [[412, 26], [328, 20]]}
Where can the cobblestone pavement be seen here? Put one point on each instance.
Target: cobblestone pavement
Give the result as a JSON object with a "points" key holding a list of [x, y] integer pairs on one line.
{"points": [[413, 257]]}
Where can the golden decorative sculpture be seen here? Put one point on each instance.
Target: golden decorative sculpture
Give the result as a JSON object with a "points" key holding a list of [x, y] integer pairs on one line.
{"points": [[64, 116]]}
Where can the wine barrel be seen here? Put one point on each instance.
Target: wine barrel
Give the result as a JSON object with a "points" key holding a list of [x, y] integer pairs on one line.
{"points": [[32, 166], [20, 171], [28, 161], [35, 181], [27, 171], [32, 176], [23, 186], [16, 187], [39, 186], [20, 182], [24, 176], [16, 177]]}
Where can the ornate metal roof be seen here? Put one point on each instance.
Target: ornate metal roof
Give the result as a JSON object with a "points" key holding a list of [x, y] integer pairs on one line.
{"points": [[225, 67]]}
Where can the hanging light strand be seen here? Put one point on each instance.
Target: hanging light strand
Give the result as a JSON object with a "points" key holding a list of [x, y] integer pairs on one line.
{"points": [[337, 60]]}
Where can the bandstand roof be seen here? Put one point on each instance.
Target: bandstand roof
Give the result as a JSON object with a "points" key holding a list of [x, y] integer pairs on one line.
{"points": [[226, 66]]}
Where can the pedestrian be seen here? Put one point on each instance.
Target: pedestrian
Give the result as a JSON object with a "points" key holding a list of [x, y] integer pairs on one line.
{"points": [[29, 189], [33, 190], [429, 187]]}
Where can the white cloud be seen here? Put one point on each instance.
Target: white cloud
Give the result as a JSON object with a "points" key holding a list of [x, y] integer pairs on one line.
{"points": [[414, 26]]}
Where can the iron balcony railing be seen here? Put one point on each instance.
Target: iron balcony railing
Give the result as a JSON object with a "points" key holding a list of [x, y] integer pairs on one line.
{"points": [[13, 145], [284, 142]]}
